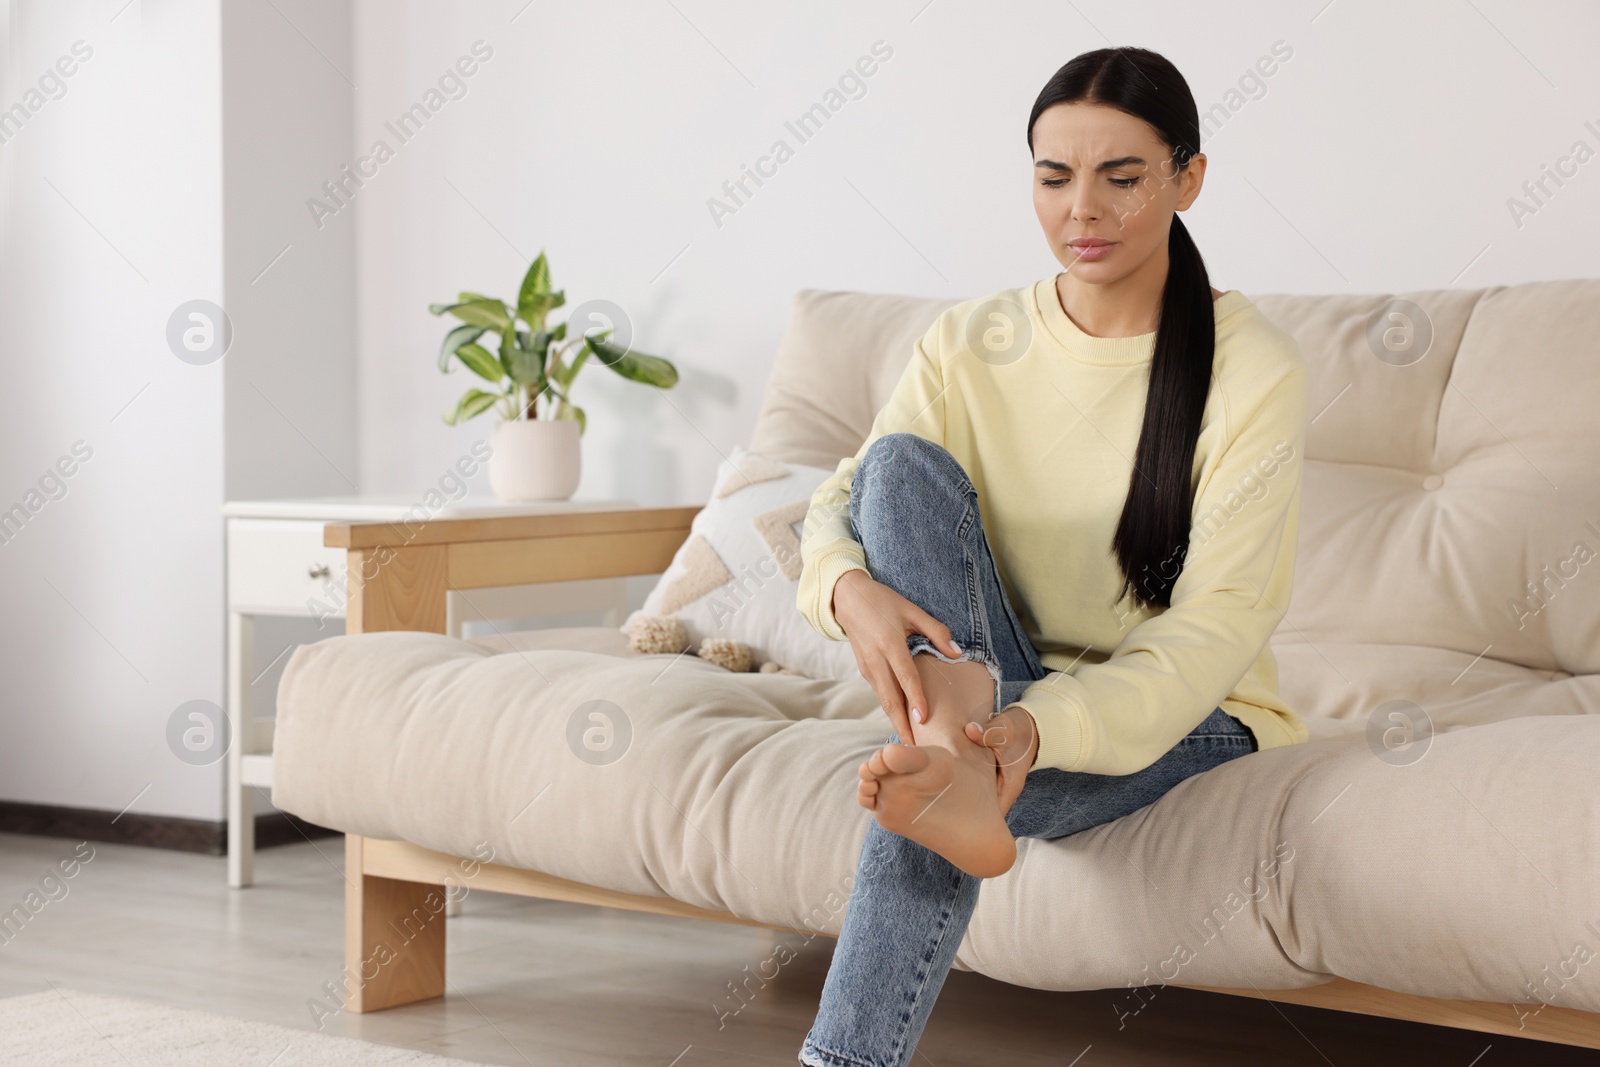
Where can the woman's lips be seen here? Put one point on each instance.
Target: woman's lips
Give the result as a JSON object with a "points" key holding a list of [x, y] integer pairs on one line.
{"points": [[1093, 252]]}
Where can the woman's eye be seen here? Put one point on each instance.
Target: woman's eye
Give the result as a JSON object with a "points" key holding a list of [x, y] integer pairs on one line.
{"points": [[1121, 183]]}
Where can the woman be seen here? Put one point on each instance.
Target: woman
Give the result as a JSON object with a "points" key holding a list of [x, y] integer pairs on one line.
{"points": [[1099, 633]]}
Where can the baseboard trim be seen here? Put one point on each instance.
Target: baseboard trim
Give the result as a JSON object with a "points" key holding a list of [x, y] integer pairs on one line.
{"points": [[151, 831]]}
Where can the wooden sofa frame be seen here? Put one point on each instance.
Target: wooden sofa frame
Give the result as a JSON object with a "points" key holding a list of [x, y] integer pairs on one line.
{"points": [[395, 891]]}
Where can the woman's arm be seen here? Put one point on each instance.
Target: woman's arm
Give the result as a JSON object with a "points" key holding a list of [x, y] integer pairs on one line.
{"points": [[828, 547], [1173, 668]]}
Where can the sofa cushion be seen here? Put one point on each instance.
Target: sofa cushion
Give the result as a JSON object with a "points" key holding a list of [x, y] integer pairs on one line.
{"points": [[1461, 874], [1454, 502], [837, 363]]}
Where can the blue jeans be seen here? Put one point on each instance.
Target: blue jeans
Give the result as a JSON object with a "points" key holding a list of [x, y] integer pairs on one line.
{"points": [[915, 512]]}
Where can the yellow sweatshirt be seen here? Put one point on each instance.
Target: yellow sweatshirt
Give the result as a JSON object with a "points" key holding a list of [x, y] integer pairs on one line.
{"points": [[1048, 440]]}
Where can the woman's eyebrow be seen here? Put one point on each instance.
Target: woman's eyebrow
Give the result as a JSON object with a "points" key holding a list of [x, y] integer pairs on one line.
{"points": [[1110, 164]]}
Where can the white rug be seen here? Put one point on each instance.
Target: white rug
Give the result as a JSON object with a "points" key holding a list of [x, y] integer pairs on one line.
{"points": [[71, 1029]]}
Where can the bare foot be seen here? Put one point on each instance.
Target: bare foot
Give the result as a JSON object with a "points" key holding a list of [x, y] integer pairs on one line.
{"points": [[943, 802], [941, 792]]}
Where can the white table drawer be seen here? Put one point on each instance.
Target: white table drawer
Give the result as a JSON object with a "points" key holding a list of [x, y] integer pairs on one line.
{"points": [[281, 565]]}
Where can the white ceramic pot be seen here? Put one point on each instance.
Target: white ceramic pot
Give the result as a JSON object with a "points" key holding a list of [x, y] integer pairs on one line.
{"points": [[535, 459]]}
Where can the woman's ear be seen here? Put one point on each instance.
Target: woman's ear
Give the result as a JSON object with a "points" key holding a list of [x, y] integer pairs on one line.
{"points": [[1190, 179]]}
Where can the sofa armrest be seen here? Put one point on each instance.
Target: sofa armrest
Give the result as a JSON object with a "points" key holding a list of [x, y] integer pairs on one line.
{"points": [[399, 573]]}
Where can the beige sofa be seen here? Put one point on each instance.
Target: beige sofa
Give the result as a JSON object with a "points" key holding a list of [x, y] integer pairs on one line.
{"points": [[1433, 853]]}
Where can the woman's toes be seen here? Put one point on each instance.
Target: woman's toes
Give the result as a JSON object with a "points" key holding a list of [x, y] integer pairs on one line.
{"points": [[875, 763]]}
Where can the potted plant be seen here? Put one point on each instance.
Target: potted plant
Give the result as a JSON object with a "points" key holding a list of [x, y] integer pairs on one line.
{"points": [[535, 452]]}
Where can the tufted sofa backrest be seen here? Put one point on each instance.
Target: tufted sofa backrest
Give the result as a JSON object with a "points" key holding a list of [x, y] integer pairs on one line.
{"points": [[1451, 499]]}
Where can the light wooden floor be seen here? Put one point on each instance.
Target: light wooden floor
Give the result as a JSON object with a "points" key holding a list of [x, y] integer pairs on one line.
{"points": [[534, 982]]}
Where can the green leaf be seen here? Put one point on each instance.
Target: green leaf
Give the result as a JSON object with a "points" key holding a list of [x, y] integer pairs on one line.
{"points": [[539, 305], [559, 333], [635, 366], [485, 312], [524, 366], [565, 375], [460, 335], [466, 297], [482, 362], [475, 402], [535, 284]]}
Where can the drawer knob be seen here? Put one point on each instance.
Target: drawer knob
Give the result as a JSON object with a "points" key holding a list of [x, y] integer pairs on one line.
{"points": [[320, 570]]}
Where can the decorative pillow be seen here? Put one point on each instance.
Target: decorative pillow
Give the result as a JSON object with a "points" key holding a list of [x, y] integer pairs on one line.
{"points": [[738, 573]]}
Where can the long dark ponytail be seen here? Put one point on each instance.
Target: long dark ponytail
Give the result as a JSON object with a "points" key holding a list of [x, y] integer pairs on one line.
{"points": [[1152, 537]]}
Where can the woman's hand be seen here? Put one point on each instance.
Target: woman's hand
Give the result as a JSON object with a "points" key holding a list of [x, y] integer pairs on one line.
{"points": [[1015, 739], [877, 620]]}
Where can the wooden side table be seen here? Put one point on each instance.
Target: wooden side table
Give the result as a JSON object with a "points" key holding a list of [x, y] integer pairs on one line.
{"points": [[277, 565]]}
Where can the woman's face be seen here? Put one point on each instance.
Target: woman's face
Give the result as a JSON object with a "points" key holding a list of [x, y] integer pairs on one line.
{"points": [[1101, 173]]}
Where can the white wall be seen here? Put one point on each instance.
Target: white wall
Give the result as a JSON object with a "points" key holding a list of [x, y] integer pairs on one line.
{"points": [[113, 214], [290, 284], [187, 144], [1378, 157]]}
